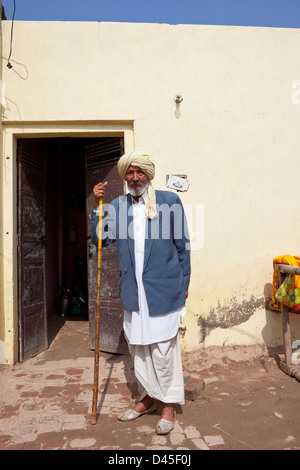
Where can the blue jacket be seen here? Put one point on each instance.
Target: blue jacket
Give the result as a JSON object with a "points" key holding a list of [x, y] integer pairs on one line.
{"points": [[166, 274]]}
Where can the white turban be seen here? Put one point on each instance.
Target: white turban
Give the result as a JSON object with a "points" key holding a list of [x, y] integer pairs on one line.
{"points": [[143, 161]]}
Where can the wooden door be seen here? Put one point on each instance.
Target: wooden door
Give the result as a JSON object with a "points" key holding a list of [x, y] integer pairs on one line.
{"points": [[33, 337], [101, 165]]}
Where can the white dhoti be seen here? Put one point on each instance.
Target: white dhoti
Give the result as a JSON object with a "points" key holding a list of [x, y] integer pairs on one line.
{"points": [[158, 370]]}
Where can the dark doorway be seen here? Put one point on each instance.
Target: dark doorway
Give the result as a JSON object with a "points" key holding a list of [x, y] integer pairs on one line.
{"points": [[54, 253]]}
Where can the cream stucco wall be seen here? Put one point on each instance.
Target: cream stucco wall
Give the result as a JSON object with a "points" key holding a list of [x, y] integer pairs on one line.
{"points": [[235, 135], [2, 318]]}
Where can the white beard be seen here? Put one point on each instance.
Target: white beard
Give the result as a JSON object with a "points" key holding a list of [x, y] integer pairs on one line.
{"points": [[138, 190]]}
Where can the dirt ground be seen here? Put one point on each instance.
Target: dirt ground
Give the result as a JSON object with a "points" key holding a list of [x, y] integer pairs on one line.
{"points": [[248, 402], [248, 398]]}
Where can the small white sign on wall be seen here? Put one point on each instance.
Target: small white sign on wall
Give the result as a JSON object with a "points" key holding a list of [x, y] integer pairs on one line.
{"points": [[178, 183]]}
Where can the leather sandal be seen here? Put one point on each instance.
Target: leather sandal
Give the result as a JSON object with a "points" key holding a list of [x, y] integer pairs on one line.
{"points": [[164, 426], [130, 415]]}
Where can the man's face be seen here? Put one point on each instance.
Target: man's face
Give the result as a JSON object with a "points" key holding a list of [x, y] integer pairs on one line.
{"points": [[137, 181]]}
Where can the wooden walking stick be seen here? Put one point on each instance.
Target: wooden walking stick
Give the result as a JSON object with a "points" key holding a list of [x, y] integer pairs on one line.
{"points": [[97, 319]]}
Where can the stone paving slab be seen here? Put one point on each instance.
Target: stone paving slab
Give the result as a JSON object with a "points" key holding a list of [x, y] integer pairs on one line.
{"points": [[45, 404], [48, 406]]}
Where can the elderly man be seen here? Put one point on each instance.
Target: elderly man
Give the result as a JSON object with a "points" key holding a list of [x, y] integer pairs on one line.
{"points": [[149, 228]]}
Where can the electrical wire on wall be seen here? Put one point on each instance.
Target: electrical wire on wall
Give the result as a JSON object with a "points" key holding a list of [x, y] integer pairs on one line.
{"points": [[11, 36]]}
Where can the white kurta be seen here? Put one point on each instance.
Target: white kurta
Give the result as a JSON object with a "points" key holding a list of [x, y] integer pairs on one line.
{"points": [[140, 327]]}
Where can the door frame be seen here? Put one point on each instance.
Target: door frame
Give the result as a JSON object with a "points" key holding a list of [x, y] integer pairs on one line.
{"points": [[8, 222]]}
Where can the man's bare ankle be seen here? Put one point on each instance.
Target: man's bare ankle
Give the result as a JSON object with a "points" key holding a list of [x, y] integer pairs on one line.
{"points": [[168, 412], [144, 404]]}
